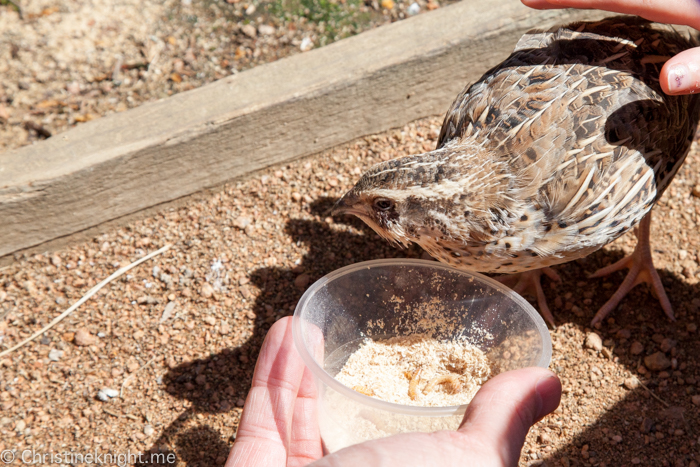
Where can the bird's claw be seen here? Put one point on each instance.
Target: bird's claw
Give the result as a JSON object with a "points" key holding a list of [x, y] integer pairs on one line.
{"points": [[530, 282]]}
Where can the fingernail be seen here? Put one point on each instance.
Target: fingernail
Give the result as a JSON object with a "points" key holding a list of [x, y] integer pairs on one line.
{"points": [[679, 80], [549, 394]]}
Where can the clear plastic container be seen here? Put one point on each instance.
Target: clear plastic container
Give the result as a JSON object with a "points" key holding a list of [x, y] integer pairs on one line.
{"points": [[339, 311]]}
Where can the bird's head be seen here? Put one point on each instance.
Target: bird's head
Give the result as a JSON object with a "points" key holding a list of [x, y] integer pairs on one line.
{"points": [[377, 208], [405, 198]]}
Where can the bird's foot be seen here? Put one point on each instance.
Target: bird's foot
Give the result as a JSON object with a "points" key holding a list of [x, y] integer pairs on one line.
{"points": [[641, 269], [530, 282]]}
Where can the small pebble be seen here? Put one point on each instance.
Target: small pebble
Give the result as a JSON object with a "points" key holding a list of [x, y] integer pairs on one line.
{"points": [[83, 338], [207, 290], [631, 383], [210, 320], [306, 44], [242, 222], [105, 394], [240, 403], [593, 341], [696, 400], [636, 348], [302, 281], [249, 30], [266, 30], [413, 9], [657, 361], [667, 344], [55, 355], [167, 312]]}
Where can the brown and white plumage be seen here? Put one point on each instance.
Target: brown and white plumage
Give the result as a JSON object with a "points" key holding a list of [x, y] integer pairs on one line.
{"points": [[554, 153]]}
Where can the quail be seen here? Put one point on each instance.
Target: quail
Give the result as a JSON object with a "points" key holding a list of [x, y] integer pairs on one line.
{"points": [[552, 154]]}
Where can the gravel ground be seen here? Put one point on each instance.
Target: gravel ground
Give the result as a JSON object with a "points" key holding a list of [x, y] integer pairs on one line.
{"points": [[69, 62], [179, 335]]}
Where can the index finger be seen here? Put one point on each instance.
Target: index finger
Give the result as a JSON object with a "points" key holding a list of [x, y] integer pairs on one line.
{"points": [[265, 428], [686, 12]]}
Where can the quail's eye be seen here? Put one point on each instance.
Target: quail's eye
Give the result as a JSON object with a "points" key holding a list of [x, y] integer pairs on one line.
{"points": [[383, 204]]}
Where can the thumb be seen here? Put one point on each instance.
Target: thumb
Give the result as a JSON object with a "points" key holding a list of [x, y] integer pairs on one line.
{"points": [[681, 73], [502, 412]]}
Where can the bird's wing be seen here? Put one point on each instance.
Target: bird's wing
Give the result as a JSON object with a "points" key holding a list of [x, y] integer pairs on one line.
{"points": [[578, 117]]}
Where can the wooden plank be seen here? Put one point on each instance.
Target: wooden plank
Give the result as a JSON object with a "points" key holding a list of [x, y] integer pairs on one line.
{"points": [[297, 106]]}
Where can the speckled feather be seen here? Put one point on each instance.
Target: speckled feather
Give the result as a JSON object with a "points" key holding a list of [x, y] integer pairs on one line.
{"points": [[554, 153]]}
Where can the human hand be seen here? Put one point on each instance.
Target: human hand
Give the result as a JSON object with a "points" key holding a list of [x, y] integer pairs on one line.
{"points": [[279, 424], [681, 73]]}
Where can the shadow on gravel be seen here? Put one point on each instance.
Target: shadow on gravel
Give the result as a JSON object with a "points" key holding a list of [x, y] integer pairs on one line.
{"points": [[214, 384]]}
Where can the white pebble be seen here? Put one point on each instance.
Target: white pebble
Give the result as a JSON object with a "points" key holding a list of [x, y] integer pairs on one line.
{"points": [[55, 355], [168, 312], [266, 30], [414, 9], [105, 394], [306, 44]]}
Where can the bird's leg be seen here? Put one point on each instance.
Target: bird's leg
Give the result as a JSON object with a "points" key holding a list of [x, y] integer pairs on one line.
{"points": [[641, 269], [530, 281]]}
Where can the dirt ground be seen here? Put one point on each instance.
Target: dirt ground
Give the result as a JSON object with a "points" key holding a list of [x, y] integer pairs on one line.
{"points": [[176, 339], [65, 63], [179, 335]]}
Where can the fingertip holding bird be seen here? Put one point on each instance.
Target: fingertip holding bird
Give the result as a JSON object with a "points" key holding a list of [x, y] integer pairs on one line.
{"points": [[536, 4], [681, 74]]}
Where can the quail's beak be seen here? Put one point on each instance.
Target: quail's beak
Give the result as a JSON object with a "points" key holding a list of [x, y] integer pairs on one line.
{"points": [[348, 204]]}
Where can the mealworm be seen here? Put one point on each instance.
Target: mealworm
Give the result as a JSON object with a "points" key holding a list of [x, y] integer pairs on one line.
{"points": [[413, 385], [452, 381], [363, 390]]}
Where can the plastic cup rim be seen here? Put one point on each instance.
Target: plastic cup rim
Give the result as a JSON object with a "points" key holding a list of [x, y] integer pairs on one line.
{"points": [[322, 375]]}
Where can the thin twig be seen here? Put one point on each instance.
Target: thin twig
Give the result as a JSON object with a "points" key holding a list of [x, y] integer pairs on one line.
{"points": [[652, 393], [119, 415], [111, 413], [85, 298], [121, 390]]}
